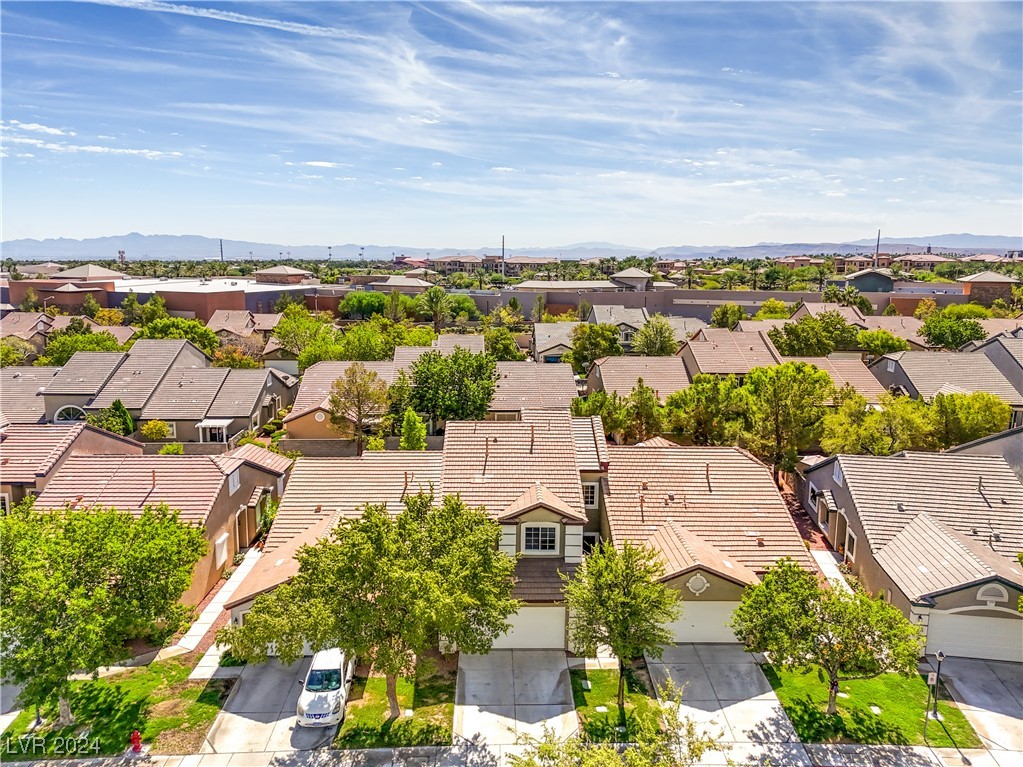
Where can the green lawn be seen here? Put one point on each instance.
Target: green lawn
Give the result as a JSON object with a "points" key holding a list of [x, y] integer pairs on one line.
{"points": [[431, 697], [901, 721], [172, 713], [640, 707]]}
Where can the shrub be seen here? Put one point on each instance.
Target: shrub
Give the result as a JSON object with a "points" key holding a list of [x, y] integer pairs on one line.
{"points": [[155, 430], [172, 448]]}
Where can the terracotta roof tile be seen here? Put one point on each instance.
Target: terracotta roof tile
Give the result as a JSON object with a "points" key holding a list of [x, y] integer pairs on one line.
{"points": [[847, 370], [665, 375], [537, 496], [682, 550], [533, 386], [724, 352], [275, 463], [538, 579], [29, 451], [318, 379]]}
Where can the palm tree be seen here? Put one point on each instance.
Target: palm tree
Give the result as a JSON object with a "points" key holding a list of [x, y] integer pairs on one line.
{"points": [[822, 273], [785, 278], [690, 275], [437, 305]]}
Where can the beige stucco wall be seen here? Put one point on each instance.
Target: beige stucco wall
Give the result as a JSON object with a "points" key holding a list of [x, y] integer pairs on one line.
{"points": [[307, 427], [719, 590]]}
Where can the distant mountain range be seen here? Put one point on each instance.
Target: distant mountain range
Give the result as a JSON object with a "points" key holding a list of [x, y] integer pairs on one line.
{"points": [[193, 247]]}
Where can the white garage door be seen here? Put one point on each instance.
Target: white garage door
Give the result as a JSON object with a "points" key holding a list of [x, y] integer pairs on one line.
{"points": [[975, 637], [704, 622], [535, 628]]}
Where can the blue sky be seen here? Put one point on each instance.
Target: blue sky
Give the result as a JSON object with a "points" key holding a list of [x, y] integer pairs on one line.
{"points": [[450, 124]]}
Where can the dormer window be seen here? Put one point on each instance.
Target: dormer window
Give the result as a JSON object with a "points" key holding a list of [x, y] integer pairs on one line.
{"points": [[540, 538]]}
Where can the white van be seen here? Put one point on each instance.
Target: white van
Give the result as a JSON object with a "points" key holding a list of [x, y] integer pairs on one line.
{"points": [[325, 690]]}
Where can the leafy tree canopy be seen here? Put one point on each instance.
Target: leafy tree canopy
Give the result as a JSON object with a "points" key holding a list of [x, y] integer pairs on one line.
{"points": [[727, 316], [880, 342], [456, 387], [360, 304], [656, 338], [178, 327], [773, 309], [501, 345], [61, 347], [707, 412], [14, 351], [590, 342], [115, 418], [357, 400], [413, 432], [951, 333]]}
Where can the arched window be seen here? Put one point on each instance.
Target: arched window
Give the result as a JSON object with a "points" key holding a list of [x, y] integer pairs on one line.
{"points": [[69, 414], [991, 593]]}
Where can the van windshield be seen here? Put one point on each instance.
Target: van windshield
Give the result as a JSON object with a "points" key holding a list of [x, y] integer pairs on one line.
{"points": [[323, 681]]}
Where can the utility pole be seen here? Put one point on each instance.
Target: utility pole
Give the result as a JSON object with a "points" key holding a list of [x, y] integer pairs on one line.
{"points": [[221, 250], [877, 249]]}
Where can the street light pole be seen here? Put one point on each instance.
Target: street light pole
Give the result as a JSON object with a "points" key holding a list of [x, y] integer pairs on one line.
{"points": [[937, 681]]}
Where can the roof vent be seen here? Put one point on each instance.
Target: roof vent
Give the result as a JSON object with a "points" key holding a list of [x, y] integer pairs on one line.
{"points": [[319, 508], [900, 507]]}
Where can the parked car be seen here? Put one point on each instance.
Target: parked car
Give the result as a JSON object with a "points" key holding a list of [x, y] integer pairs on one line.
{"points": [[325, 690]]}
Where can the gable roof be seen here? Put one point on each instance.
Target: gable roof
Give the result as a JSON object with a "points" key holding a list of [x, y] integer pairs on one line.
{"points": [[91, 272], [724, 352], [756, 326], [927, 558], [536, 496], [907, 328], [590, 442], [929, 372], [665, 375], [681, 551], [533, 386], [275, 463], [445, 344], [684, 327], [632, 271], [137, 377], [988, 276], [491, 463], [24, 325], [548, 335], [282, 269], [850, 314], [31, 450], [243, 323], [847, 370], [616, 314], [19, 392], [723, 495], [402, 281], [975, 495], [240, 394], [86, 373], [185, 394], [339, 488], [314, 390]]}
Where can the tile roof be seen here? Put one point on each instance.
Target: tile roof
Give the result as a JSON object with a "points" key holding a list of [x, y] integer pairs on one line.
{"points": [[907, 328], [19, 392], [240, 394], [533, 386], [930, 371], [138, 376], [547, 335], [538, 579], [590, 442], [275, 463], [988, 276], [314, 390], [850, 314], [537, 496], [90, 272], [184, 394], [86, 373], [966, 492], [632, 271], [684, 327], [242, 322], [847, 370], [657, 441], [756, 326], [404, 356], [403, 281], [28, 451], [724, 352], [491, 463], [682, 550], [542, 285], [665, 375], [995, 325], [926, 557], [338, 488], [189, 483], [616, 314], [24, 325], [286, 270], [123, 333], [721, 494]]}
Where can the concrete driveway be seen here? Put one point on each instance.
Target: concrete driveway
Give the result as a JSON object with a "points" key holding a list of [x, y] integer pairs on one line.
{"points": [[727, 695], [509, 693], [990, 694], [260, 713]]}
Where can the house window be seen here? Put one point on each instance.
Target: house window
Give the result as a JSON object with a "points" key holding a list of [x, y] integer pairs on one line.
{"points": [[172, 430], [626, 336], [837, 474], [850, 546], [255, 421], [590, 495], [234, 481], [822, 514], [69, 413], [5, 503], [890, 366], [540, 539]]}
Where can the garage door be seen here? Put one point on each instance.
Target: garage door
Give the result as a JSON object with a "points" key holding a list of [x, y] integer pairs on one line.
{"points": [[972, 636], [535, 628], [704, 622]]}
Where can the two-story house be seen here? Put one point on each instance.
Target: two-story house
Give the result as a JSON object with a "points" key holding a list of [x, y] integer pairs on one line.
{"points": [[628, 320]]}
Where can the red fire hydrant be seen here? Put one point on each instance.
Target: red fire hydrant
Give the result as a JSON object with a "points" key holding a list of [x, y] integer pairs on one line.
{"points": [[136, 741]]}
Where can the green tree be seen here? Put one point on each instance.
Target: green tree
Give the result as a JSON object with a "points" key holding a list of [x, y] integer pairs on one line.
{"points": [[539, 308], [435, 304], [708, 411], [614, 411], [288, 300], [109, 317], [357, 400], [880, 342], [154, 309], [61, 347], [90, 306], [178, 327], [456, 387], [155, 430], [645, 411], [890, 311], [959, 418], [803, 338], [617, 599], [31, 302], [773, 309], [385, 589], [413, 432], [115, 418], [583, 310], [785, 405], [172, 448], [299, 329], [853, 427], [803, 624], [79, 584], [966, 312], [927, 307], [950, 333], [360, 304], [500, 344], [459, 304], [656, 338], [14, 351], [591, 342], [727, 316]]}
